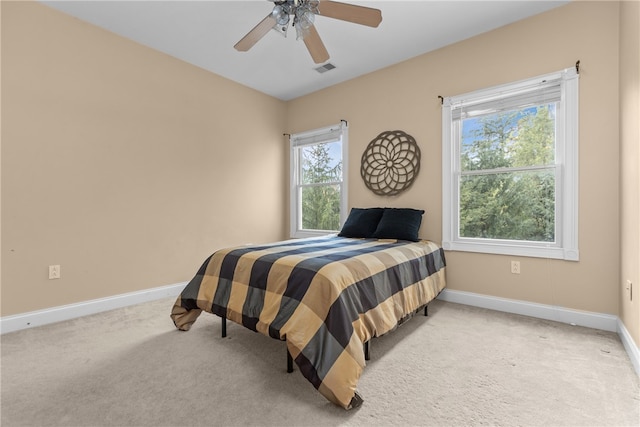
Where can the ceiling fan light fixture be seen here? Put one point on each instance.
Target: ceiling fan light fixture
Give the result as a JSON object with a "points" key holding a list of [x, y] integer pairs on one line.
{"points": [[304, 18], [280, 15], [303, 21]]}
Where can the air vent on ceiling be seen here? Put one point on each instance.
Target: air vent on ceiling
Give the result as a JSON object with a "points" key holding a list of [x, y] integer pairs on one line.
{"points": [[326, 67]]}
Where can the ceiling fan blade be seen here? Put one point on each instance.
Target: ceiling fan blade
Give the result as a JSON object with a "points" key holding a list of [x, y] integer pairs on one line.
{"points": [[350, 12], [255, 34], [315, 46]]}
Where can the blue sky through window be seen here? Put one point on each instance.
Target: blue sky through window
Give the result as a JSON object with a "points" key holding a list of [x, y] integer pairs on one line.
{"points": [[472, 127]]}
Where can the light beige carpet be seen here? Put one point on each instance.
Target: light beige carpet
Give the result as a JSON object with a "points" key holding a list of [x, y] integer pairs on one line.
{"points": [[460, 366]]}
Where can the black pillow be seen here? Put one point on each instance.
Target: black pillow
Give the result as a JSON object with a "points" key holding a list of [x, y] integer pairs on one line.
{"points": [[361, 222], [399, 223]]}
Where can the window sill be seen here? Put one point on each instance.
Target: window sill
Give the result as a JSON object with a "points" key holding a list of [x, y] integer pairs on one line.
{"points": [[513, 249]]}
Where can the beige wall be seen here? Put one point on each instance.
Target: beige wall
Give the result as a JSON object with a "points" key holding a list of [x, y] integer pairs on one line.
{"points": [[405, 97], [125, 166], [630, 165]]}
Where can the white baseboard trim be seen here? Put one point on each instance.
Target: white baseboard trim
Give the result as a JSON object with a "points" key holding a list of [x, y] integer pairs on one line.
{"points": [[72, 311], [606, 322], [629, 345]]}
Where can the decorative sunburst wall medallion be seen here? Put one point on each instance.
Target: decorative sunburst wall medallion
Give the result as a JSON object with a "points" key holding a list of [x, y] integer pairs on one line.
{"points": [[390, 163]]}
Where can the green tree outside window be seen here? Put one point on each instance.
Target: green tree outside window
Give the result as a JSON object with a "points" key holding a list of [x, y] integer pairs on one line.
{"points": [[321, 173], [507, 184]]}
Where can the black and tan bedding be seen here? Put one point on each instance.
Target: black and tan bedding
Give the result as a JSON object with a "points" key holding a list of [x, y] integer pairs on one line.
{"points": [[324, 296]]}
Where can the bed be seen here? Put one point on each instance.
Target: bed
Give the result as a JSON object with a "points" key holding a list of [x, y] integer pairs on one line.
{"points": [[324, 296]]}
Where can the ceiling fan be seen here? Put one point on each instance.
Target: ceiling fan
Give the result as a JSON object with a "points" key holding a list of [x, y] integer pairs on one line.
{"points": [[303, 13]]}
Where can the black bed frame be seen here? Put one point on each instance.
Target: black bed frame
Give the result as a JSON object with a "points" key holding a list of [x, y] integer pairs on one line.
{"points": [[367, 355]]}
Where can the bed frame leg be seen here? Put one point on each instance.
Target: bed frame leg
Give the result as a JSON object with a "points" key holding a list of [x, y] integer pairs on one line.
{"points": [[224, 327], [367, 356], [289, 362], [425, 310]]}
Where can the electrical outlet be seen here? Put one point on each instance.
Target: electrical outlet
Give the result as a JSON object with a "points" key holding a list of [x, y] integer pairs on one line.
{"points": [[515, 267], [54, 272]]}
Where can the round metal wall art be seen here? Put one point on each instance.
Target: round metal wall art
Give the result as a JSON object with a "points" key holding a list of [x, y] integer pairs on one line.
{"points": [[390, 163]]}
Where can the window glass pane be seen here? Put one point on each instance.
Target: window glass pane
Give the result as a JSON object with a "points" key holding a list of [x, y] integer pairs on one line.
{"points": [[321, 207], [515, 138], [511, 206], [321, 163]]}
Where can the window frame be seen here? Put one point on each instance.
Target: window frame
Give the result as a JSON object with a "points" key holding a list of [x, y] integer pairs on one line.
{"points": [[337, 132], [566, 165]]}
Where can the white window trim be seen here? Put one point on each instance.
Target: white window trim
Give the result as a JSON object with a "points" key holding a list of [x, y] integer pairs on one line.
{"points": [[315, 136], [566, 247]]}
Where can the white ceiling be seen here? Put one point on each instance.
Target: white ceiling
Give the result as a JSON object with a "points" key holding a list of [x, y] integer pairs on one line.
{"points": [[203, 33]]}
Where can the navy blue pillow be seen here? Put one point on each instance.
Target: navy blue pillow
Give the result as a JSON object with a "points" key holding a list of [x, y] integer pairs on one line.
{"points": [[361, 222], [399, 223]]}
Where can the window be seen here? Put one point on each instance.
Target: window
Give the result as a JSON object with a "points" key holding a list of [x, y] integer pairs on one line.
{"points": [[318, 200], [510, 168]]}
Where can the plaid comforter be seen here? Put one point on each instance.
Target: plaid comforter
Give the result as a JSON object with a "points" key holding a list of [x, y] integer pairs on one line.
{"points": [[324, 296]]}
